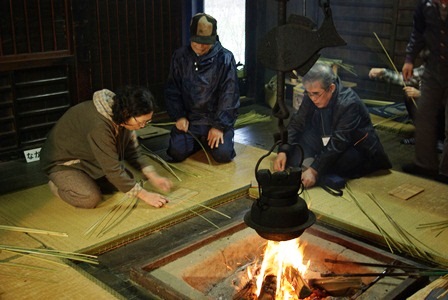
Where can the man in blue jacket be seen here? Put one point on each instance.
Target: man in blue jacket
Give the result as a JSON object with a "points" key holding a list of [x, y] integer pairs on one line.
{"points": [[334, 130], [202, 94]]}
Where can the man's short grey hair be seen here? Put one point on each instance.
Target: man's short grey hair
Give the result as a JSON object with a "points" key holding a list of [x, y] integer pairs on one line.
{"points": [[320, 72]]}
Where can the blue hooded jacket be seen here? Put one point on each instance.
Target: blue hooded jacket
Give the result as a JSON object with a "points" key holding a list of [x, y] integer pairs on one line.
{"points": [[204, 89]]}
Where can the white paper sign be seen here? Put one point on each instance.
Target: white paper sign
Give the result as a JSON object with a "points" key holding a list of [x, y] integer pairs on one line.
{"points": [[32, 155]]}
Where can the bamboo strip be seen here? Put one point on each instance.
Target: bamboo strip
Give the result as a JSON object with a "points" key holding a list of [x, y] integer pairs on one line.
{"points": [[32, 230], [202, 146], [157, 158], [393, 65], [53, 253]]}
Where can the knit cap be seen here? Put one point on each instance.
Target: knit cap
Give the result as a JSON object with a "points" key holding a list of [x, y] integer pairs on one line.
{"points": [[203, 29]]}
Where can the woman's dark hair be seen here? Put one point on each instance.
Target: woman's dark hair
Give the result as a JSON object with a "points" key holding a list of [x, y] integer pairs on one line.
{"points": [[131, 101]]}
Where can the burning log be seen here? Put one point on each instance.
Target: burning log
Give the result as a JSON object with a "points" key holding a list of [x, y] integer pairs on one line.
{"points": [[294, 278], [268, 288], [291, 279], [247, 292]]}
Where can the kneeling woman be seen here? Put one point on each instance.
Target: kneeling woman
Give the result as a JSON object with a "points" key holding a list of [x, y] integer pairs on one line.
{"points": [[85, 152]]}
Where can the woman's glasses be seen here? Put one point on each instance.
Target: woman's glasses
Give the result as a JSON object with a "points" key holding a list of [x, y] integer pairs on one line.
{"points": [[142, 123]]}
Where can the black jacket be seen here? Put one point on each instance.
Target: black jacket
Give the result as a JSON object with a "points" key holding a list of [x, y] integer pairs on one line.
{"points": [[429, 31], [350, 126], [204, 89]]}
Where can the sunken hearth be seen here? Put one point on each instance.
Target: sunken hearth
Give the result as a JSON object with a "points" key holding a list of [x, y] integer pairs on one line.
{"points": [[230, 266]]}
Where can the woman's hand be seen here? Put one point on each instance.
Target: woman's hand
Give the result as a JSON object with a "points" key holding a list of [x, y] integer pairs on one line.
{"points": [[153, 199], [309, 177], [280, 162], [159, 182]]}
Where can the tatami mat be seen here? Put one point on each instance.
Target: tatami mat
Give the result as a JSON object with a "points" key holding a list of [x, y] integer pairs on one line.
{"points": [[382, 123], [429, 206], [203, 183], [38, 208], [53, 282]]}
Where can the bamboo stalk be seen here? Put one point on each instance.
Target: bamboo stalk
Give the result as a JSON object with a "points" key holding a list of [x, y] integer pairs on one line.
{"points": [[393, 65], [201, 216], [406, 235], [443, 224], [53, 253], [32, 230], [37, 257], [120, 219], [387, 238], [108, 221], [202, 146], [388, 119], [183, 171], [214, 210], [208, 208], [160, 160]]}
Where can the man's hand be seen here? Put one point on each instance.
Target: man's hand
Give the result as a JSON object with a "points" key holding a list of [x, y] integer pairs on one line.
{"points": [[376, 72], [152, 199], [182, 124], [411, 92], [280, 162], [215, 137], [407, 71], [309, 177]]}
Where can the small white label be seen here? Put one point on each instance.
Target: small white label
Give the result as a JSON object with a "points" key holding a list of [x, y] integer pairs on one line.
{"points": [[325, 140], [32, 155]]}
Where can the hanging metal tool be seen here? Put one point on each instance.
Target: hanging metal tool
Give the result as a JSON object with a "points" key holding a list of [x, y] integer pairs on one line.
{"points": [[294, 45]]}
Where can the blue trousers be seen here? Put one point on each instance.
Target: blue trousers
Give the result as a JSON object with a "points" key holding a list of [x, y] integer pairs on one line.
{"points": [[350, 164], [182, 145]]}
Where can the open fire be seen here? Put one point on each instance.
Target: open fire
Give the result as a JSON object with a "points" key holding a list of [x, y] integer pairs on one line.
{"points": [[283, 273], [245, 266], [283, 267]]}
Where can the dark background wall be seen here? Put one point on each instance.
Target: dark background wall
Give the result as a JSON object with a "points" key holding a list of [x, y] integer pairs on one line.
{"points": [[356, 22], [54, 54]]}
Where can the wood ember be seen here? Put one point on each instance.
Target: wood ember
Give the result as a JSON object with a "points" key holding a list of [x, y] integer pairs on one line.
{"points": [[293, 276], [247, 292], [267, 292], [269, 287]]}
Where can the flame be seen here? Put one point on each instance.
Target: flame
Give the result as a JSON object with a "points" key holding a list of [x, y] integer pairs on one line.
{"points": [[279, 257]]}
